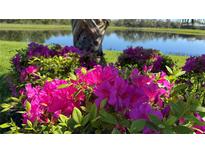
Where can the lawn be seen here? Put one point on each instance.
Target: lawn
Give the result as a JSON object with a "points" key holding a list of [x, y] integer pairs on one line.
{"points": [[68, 27]]}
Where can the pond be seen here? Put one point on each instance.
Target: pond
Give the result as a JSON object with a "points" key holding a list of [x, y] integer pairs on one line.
{"points": [[119, 40]]}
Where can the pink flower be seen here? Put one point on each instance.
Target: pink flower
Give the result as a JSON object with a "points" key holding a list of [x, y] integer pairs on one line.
{"points": [[96, 75], [27, 71], [51, 100], [31, 69]]}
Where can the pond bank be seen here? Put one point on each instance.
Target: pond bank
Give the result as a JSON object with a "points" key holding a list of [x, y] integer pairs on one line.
{"points": [[37, 27]]}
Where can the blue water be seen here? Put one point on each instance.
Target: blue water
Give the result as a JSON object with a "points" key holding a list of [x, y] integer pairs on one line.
{"points": [[173, 44], [119, 40]]}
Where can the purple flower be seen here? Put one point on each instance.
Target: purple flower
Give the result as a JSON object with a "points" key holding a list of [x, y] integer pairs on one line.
{"points": [[16, 62], [195, 64]]}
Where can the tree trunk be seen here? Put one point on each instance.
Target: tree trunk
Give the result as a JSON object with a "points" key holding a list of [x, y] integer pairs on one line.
{"points": [[88, 34]]}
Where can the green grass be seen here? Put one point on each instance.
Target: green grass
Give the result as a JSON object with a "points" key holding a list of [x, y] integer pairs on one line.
{"points": [[35, 27], [173, 30], [7, 50]]}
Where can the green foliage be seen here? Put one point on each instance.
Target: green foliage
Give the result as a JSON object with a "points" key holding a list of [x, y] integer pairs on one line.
{"points": [[137, 126], [57, 66]]}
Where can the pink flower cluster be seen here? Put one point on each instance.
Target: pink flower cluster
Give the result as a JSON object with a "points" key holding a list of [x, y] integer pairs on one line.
{"points": [[30, 70], [135, 97], [49, 101]]}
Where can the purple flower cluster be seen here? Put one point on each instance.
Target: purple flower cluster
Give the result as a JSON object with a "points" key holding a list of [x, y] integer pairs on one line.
{"points": [[195, 64], [137, 55], [37, 50], [145, 57]]}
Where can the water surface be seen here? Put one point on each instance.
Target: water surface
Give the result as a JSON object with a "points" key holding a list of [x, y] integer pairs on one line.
{"points": [[119, 40]]}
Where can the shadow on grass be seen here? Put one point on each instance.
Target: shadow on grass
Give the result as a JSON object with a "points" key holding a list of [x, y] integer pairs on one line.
{"points": [[4, 88], [5, 94]]}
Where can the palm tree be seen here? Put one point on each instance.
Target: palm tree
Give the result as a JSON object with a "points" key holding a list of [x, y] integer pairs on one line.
{"points": [[88, 34]]}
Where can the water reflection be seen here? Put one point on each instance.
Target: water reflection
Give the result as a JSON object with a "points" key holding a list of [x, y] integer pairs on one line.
{"points": [[119, 40], [28, 36], [134, 36]]}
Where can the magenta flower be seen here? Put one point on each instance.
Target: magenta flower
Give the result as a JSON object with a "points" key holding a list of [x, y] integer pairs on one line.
{"points": [[200, 129], [49, 101], [142, 111], [31, 69]]}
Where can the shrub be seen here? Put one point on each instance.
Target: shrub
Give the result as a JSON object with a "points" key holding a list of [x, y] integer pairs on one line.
{"points": [[100, 100], [140, 57]]}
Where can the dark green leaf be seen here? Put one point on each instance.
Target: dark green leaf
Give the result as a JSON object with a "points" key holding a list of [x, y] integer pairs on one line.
{"points": [[107, 117], [103, 103], [137, 126], [155, 119], [171, 120], [183, 130], [93, 111], [85, 119], [115, 131]]}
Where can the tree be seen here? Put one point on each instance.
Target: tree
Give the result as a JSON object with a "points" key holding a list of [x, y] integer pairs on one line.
{"points": [[88, 34]]}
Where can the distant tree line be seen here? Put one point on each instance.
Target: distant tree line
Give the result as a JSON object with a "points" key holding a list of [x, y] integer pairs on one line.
{"points": [[36, 21], [165, 23]]}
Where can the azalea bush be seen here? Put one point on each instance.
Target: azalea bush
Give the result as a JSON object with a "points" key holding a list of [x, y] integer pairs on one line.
{"points": [[140, 57], [194, 77], [61, 90], [100, 100]]}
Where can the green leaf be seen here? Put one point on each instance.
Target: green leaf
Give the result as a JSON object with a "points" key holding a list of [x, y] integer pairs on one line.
{"points": [[169, 69], [77, 115], [67, 132], [103, 103], [180, 73], [28, 106], [115, 131], [63, 118], [93, 111], [5, 125], [171, 120], [64, 86], [14, 99], [85, 119], [72, 76], [183, 130], [200, 109], [154, 119], [83, 70], [107, 117], [29, 123], [137, 126]]}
